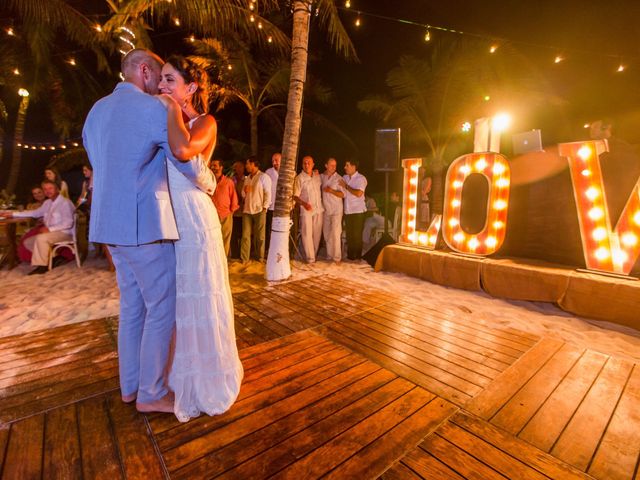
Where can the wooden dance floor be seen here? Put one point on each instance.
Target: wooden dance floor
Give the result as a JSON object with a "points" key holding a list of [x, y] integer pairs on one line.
{"points": [[339, 383]]}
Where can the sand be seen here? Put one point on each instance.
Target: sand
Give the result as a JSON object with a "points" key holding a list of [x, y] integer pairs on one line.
{"points": [[69, 294]]}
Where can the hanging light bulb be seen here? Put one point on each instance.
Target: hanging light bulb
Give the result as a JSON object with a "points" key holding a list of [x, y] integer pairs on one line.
{"points": [[260, 25], [347, 4], [358, 21], [427, 35], [72, 62], [270, 39], [176, 21], [192, 38], [558, 59], [493, 48], [97, 27], [10, 32], [620, 68], [252, 18], [16, 71]]}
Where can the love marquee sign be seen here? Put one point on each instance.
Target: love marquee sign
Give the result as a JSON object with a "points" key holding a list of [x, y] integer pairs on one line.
{"points": [[606, 249]]}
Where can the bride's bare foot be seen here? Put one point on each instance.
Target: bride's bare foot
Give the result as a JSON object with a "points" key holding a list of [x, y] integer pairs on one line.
{"points": [[129, 398], [164, 405]]}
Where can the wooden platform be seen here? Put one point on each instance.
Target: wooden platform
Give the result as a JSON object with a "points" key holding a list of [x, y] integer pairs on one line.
{"points": [[340, 384]]}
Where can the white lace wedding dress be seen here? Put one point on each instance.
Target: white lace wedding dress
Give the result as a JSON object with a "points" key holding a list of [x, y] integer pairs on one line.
{"points": [[206, 372]]}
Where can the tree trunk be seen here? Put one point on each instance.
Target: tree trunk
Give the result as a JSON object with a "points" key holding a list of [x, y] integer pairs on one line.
{"points": [[16, 158], [254, 132], [278, 267]]}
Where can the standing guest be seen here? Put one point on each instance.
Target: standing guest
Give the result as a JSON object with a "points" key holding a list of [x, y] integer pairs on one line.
{"points": [[38, 198], [354, 208], [53, 175], [272, 172], [257, 198], [225, 199], [236, 232], [332, 199], [57, 214], [307, 194]]}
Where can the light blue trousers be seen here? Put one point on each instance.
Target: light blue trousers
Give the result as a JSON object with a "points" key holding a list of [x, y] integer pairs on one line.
{"points": [[147, 280]]}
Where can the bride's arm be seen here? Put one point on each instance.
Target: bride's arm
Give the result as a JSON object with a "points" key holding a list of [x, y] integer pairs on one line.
{"points": [[186, 144]]}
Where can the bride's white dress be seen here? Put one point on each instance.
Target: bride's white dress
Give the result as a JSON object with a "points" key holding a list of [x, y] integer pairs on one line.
{"points": [[206, 371]]}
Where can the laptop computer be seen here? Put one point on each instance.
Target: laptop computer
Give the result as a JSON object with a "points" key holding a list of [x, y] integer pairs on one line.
{"points": [[525, 142]]}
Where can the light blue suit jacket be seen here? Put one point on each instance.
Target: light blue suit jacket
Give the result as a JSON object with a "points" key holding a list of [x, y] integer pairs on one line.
{"points": [[125, 136]]}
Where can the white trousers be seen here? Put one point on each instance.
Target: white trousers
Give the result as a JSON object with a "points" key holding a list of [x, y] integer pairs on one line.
{"points": [[332, 232], [40, 244], [310, 231]]}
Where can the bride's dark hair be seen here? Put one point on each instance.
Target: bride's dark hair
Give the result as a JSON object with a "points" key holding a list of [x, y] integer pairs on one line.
{"points": [[190, 72]]}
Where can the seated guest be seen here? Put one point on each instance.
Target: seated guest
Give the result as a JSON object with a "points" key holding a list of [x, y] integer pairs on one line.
{"points": [[38, 198], [57, 214], [84, 200], [225, 199], [53, 175]]}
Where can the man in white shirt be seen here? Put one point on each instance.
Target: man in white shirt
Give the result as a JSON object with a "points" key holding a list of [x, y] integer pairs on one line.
{"points": [[332, 199], [354, 208], [307, 194], [272, 172], [57, 214], [257, 198]]}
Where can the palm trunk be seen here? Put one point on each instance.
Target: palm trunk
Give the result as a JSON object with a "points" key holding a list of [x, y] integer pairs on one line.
{"points": [[278, 267], [16, 158], [254, 132]]}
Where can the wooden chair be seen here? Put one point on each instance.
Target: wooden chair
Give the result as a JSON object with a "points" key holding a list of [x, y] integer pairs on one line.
{"points": [[70, 244]]}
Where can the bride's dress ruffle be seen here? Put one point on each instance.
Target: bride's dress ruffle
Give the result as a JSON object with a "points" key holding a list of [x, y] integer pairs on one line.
{"points": [[206, 373]]}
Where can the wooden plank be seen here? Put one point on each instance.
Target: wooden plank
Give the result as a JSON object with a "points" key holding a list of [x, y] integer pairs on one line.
{"points": [[351, 442], [429, 467], [261, 311], [515, 414], [458, 460], [376, 457], [548, 423], [395, 351], [416, 376], [580, 439], [618, 453], [100, 459], [258, 360], [62, 445], [507, 384], [186, 453], [486, 453], [297, 446], [4, 440], [136, 447], [45, 337], [259, 394], [534, 457], [23, 459], [401, 472], [274, 345], [261, 440]]}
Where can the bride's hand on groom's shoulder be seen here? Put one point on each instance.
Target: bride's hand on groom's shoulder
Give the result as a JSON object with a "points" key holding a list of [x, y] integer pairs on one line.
{"points": [[165, 99]]}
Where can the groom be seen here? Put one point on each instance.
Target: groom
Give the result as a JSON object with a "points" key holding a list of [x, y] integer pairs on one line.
{"points": [[125, 136]]}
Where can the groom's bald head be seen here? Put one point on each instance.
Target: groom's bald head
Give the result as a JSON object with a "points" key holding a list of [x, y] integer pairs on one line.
{"points": [[142, 68]]}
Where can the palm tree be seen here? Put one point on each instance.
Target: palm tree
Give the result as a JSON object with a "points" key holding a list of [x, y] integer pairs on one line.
{"points": [[431, 98], [18, 135]]}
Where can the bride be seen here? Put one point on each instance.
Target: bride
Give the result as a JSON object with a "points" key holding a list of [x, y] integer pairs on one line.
{"points": [[206, 372]]}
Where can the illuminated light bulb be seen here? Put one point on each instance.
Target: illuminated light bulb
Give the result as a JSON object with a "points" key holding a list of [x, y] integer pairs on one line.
{"points": [[412, 237], [433, 239], [459, 237], [620, 256], [620, 68], [19, 144], [412, 213], [481, 164], [415, 168], [493, 48], [252, 7], [413, 181], [599, 234], [498, 224], [586, 125], [63, 146], [602, 253], [491, 242], [473, 243], [465, 169], [347, 4], [412, 224], [98, 27], [270, 39], [487, 98], [33, 147], [500, 205], [252, 18], [72, 61], [629, 239], [596, 213], [592, 193], [25, 146], [455, 203], [42, 147], [558, 59], [52, 147], [176, 22], [10, 32], [23, 92], [422, 239], [192, 39], [586, 172], [75, 144], [358, 22], [259, 25], [502, 182], [636, 217], [453, 222], [456, 184], [584, 153], [427, 36], [501, 122], [466, 127], [229, 67], [413, 197], [16, 71], [499, 168]]}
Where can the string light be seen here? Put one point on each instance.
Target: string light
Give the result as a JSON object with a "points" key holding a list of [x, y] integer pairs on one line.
{"points": [[558, 59], [620, 68], [176, 21], [192, 39], [347, 4], [10, 32], [493, 48], [16, 71], [270, 39], [72, 61], [358, 21], [427, 36], [98, 27]]}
